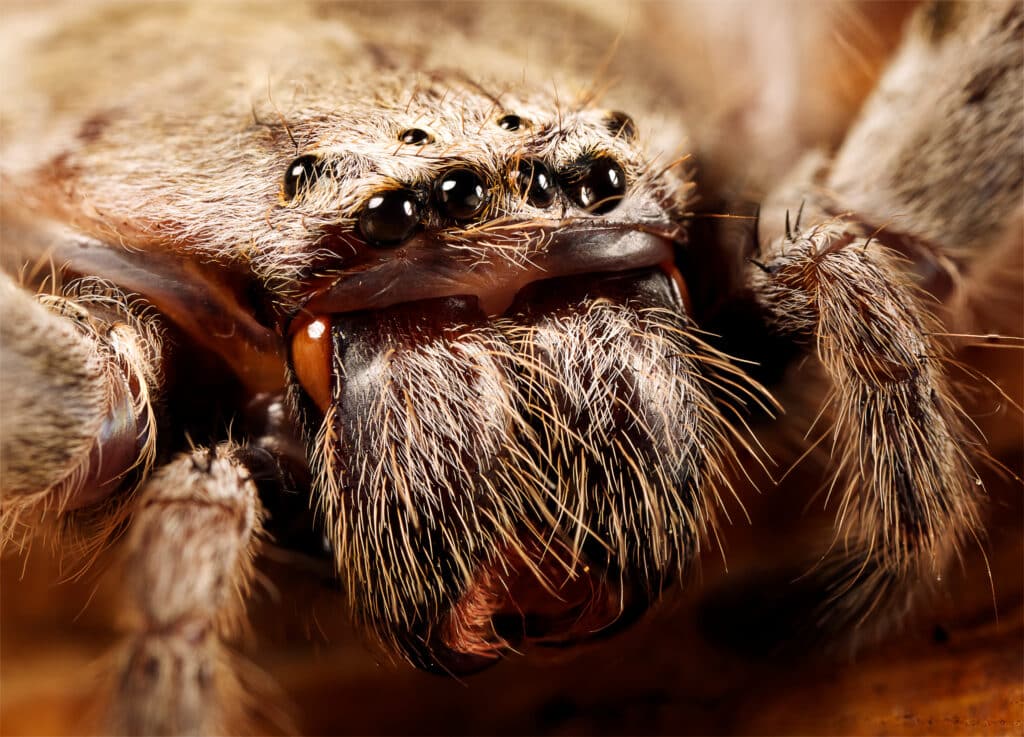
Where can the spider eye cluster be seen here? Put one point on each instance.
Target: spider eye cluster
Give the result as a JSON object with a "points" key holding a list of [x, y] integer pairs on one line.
{"points": [[390, 216], [594, 183]]}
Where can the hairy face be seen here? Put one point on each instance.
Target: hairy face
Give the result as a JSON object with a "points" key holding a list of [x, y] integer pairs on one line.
{"points": [[507, 409], [470, 285]]}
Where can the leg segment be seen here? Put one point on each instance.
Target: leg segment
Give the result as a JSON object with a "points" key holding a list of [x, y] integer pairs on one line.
{"points": [[923, 188], [187, 568], [908, 496], [77, 372]]}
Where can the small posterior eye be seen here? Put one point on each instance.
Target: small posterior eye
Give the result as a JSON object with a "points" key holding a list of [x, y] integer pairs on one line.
{"points": [[533, 176], [389, 218], [301, 174], [415, 137], [510, 122], [621, 125], [460, 194], [597, 184]]}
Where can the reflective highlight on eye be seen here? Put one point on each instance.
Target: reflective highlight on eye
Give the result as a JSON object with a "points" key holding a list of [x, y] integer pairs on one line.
{"points": [[389, 218], [301, 174], [460, 194], [597, 185]]}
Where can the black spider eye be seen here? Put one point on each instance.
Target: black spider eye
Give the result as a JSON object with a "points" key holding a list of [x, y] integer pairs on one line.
{"points": [[510, 122], [415, 137], [621, 125], [537, 181], [301, 174], [460, 194], [389, 218], [597, 185]]}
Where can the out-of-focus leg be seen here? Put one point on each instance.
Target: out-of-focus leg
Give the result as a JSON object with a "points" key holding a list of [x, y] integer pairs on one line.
{"points": [[187, 569], [77, 374]]}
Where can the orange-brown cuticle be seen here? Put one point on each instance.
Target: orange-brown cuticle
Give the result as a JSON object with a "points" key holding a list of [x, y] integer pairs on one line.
{"points": [[670, 270], [311, 359]]}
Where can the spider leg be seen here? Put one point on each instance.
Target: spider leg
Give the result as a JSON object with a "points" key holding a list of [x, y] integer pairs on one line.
{"points": [[907, 493], [77, 374], [188, 565], [936, 167], [925, 186]]}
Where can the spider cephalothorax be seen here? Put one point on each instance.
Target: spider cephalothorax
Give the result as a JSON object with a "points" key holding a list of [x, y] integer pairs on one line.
{"points": [[448, 267], [467, 284]]}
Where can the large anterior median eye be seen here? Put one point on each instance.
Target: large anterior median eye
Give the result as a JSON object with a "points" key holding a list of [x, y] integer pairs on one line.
{"points": [[301, 174], [536, 180], [460, 194], [389, 218], [595, 184]]}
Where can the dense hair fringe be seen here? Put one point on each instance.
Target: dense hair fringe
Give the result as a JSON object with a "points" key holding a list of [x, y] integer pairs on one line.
{"points": [[594, 429]]}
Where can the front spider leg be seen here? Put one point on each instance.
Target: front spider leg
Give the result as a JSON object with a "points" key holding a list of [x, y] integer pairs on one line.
{"points": [[925, 187], [908, 496], [920, 193], [78, 372], [188, 565]]}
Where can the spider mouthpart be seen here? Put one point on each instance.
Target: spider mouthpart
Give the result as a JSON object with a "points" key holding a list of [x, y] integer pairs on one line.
{"points": [[585, 604], [389, 218], [460, 194], [596, 184], [301, 175], [471, 404], [535, 178], [311, 352]]}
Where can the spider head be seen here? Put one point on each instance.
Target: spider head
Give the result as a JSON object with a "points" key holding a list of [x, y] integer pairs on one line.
{"points": [[492, 360]]}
